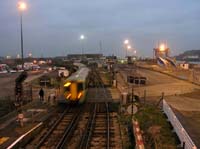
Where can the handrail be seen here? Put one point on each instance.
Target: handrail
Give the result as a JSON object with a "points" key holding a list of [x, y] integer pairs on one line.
{"points": [[178, 127]]}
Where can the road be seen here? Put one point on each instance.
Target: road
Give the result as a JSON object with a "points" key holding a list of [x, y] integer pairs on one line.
{"points": [[158, 83]]}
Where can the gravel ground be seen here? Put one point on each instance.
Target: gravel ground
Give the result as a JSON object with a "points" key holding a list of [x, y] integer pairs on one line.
{"points": [[7, 84]]}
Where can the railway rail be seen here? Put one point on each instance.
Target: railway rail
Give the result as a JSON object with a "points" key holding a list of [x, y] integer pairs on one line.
{"points": [[72, 138], [99, 92], [54, 136], [97, 131]]}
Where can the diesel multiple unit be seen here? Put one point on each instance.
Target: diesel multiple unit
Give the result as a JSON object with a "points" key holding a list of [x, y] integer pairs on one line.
{"points": [[76, 86]]}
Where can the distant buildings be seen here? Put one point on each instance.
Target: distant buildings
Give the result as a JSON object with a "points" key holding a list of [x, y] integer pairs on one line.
{"points": [[191, 57], [79, 56]]}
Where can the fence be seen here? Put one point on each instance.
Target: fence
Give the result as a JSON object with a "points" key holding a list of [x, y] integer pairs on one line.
{"points": [[185, 139]]}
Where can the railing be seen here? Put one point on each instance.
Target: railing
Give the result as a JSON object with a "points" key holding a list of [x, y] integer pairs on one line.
{"points": [[185, 139]]}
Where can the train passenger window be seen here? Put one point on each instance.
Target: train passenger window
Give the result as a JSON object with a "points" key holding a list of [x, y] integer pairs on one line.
{"points": [[67, 89], [80, 86]]}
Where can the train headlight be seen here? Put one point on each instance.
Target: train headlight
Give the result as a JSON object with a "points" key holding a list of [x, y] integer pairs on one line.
{"points": [[69, 96], [79, 95]]}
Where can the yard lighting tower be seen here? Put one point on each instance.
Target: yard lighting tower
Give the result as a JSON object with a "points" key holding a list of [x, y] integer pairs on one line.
{"points": [[82, 37], [162, 47], [126, 42], [22, 7], [128, 47]]}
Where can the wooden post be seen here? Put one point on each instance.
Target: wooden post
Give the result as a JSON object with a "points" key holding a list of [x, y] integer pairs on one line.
{"points": [[162, 95], [132, 102], [144, 96]]}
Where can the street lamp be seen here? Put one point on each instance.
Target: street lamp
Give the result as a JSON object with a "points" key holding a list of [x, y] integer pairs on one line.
{"points": [[22, 7], [82, 37], [128, 47], [126, 42]]}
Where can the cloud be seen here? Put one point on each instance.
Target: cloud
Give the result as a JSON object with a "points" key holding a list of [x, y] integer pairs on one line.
{"points": [[54, 26]]}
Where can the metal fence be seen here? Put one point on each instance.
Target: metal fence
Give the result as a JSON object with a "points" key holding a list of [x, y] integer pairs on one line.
{"points": [[185, 139]]}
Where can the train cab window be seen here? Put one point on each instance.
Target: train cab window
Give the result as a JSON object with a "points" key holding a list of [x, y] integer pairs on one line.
{"points": [[80, 86], [67, 88]]}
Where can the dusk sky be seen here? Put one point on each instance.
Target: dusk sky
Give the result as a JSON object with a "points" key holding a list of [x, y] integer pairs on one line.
{"points": [[53, 27]]}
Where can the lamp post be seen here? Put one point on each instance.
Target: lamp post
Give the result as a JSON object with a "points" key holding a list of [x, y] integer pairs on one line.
{"points": [[128, 48], [22, 7], [133, 81], [126, 42], [82, 37]]}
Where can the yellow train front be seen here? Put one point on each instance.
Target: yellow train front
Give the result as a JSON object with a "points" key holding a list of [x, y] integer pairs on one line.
{"points": [[76, 86]]}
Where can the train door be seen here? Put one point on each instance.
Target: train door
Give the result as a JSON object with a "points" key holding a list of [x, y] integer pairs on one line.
{"points": [[80, 89], [73, 91]]}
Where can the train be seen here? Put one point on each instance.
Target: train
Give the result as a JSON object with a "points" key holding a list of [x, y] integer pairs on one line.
{"points": [[76, 86]]}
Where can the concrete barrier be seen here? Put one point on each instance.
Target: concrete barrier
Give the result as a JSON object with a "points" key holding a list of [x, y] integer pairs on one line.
{"points": [[138, 135]]}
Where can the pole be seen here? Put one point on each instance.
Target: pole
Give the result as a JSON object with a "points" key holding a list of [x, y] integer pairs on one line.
{"points": [[82, 48], [145, 94], [162, 95], [132, 101], [22, 44], [126, 52], [132, 89], [100, 46]]}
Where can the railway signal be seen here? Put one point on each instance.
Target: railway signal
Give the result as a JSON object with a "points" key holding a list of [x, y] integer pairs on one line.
{"points": [[19, 86]]}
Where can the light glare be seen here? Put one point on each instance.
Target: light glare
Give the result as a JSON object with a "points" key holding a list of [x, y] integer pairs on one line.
{"points": [[79, 95], [22, 6], [82, 37], [128, 47], [126, 41], [162, 47]]}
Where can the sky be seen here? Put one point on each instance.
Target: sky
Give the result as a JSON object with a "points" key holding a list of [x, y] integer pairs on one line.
{"points": [[52, 28]]}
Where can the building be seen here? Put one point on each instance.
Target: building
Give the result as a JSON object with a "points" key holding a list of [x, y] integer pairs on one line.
{"points": [[79, 56]]}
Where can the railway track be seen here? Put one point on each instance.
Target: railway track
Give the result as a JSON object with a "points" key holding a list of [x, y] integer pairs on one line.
{"points": [[92, 125], [60, 129], [102, 129], [100, 132], [99, 92]]}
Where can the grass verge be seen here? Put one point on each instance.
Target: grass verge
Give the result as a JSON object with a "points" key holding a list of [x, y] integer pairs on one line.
{"points": [[157, 131]]}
